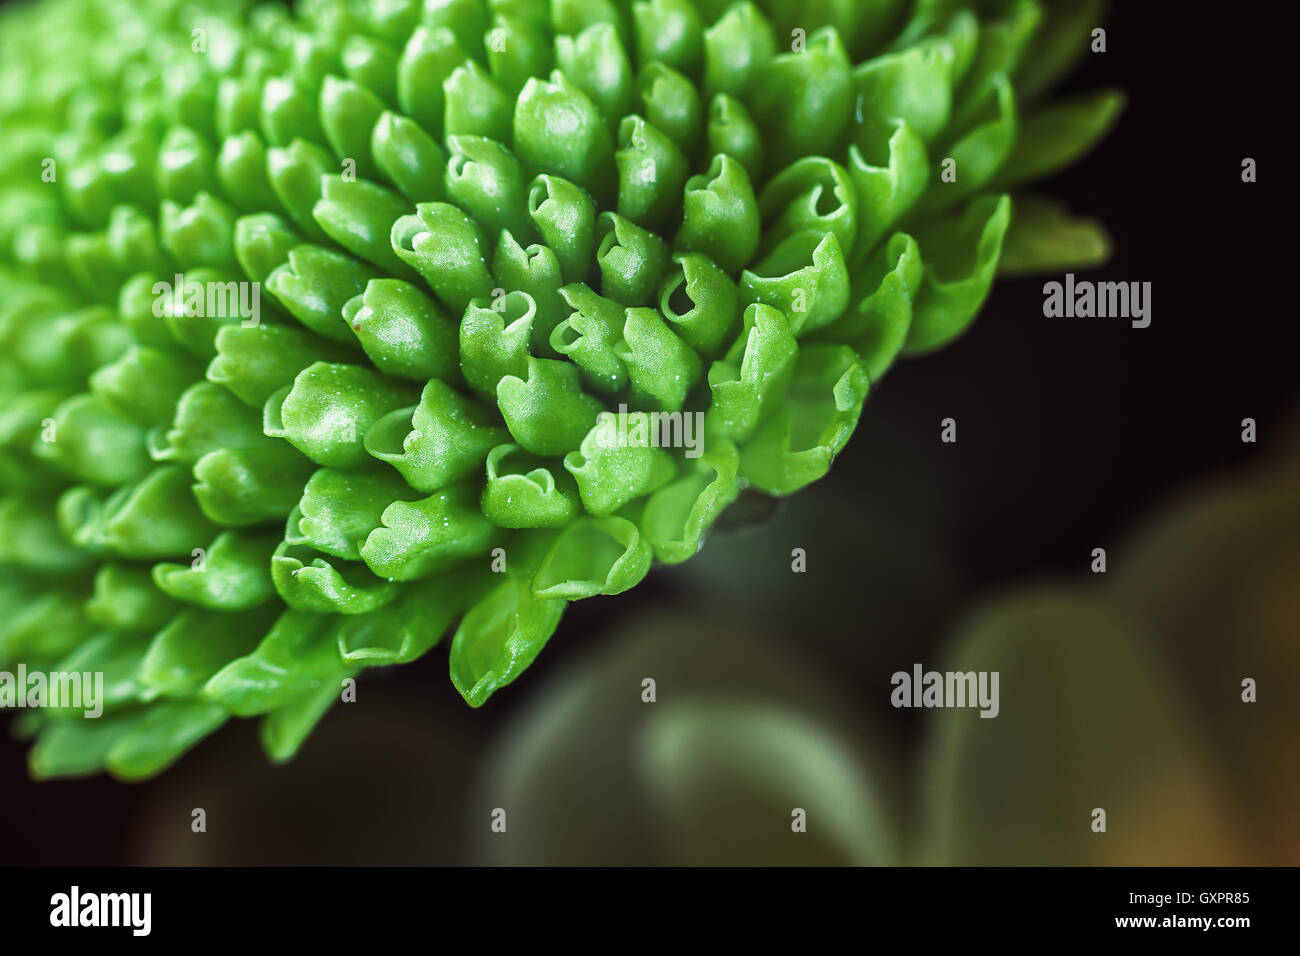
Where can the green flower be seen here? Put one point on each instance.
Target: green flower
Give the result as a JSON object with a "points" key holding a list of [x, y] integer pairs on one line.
{"points": [[315, 326]]}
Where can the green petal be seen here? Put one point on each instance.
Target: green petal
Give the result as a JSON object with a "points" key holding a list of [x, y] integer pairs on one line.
{"points": [[408, 157], [421, 538], [566, 218], [752, 379], [440, 441], [428, 59], [329, 408], [263, 241], [889, 176], [254, 362], [960, 261], [661, 367], [442, 244], [1044, 237], [605, 555], [535, 270], [524, 491], [310, 581], [484, 179], [494, 337], [93, 442], [669, 31], [573, 16], [249, 486], [118, 658], [1060, 43], [465, 18], [298, 656], [721, 215], [133, 240], [126, 599], [611, 473], [805, 277], [588, 337], [732, 130], [558, 129], [595, 62], [701, 302], [1002, 44], [978, 155], [812, 194], [736, 48], [314, 286], [200, 234], [157, 517], [284, 729], [804, 101], [348, 113], [75, 748], [184, 655], [911, 88], [339, 509], [631, 260], [877, 326], [678, 515], [475, 104], [516, 50], [796, 446], [359, 216], [30, 537], [289, 112], [670, 103], [500, 637], [410, 626], [1060, 135], [208, 418], [295, 173], [402, 331], [232, 575], [46, 628]]}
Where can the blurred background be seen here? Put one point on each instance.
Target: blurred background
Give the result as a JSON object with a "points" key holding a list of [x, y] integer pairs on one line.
{"points": [[1119, 690]]}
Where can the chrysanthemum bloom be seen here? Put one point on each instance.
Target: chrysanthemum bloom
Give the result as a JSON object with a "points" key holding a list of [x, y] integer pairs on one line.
{"points": [[327, 333]]}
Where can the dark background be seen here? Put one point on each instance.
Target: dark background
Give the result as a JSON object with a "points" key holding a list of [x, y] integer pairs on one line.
{"points": [[1069, 431]]}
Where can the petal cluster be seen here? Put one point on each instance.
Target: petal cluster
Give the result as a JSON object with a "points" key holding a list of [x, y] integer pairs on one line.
{"points": [[326, 333]]}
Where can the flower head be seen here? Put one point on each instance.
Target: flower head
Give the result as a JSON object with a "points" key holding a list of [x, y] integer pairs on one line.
{"points": [[328, 333]]}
